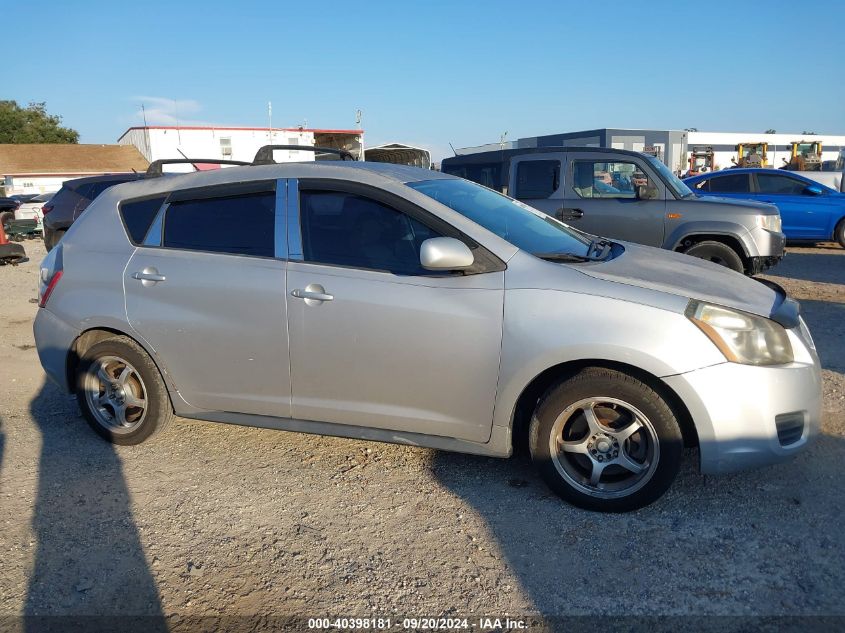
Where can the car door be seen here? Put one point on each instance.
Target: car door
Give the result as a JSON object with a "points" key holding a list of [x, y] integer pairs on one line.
{"points": [[206, 290], [375, 340], [616, 196], [804, 215], [535, 179]]}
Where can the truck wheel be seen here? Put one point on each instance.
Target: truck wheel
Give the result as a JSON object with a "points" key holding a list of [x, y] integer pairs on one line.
{"points": [[605, 441], [839, 233], [121, 392], [718, 253]]}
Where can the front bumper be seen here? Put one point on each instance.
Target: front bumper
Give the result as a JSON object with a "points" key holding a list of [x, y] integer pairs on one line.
{"points": [[738, 410], [54, 341]]}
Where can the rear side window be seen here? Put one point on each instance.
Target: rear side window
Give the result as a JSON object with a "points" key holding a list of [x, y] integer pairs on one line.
{"points": [[732, 183], [138, 215], [238, 225], [99, 187], [536, 179]]}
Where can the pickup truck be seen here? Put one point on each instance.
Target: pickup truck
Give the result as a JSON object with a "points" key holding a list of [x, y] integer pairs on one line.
{"points": [[630, 196]]}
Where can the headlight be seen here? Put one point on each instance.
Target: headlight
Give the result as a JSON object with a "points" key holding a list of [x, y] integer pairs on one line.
{"points": [[770, 222], [742, 337]]}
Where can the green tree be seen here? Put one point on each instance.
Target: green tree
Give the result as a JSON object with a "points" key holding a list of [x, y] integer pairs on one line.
{"points": [[32, 124], [770, 131]]}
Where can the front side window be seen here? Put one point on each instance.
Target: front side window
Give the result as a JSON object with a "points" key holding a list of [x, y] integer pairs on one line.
{"points": [[344, 229], [536, 179], [517, 223], [238, 225], [731, 183], [777, 184], [600, 179]]}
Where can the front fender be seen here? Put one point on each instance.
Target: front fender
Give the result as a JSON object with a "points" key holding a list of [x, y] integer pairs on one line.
{"points": [[676, 236], [545, 328]]}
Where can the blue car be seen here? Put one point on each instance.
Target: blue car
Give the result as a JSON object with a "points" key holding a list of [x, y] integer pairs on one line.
{"points": [[808, 210]]}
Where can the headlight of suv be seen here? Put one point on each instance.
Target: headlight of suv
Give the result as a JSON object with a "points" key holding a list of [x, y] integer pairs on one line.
{"points": [[742, 337], [770, 222]]}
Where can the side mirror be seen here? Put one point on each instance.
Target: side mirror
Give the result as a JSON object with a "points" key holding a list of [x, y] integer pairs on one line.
{"points": [[445, 253], [813, 190]]}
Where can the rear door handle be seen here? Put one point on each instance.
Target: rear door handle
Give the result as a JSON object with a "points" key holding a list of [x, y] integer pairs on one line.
{"points": [[569, 214], [314, 294], [148, 276]]}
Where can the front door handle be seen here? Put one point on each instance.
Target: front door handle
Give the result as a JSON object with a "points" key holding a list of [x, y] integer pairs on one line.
{"points": [[314, 294], [569, 214], [148, 276]]}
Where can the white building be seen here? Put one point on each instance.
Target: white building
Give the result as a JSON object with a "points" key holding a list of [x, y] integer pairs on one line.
{"points": [[42, 168], [234, 143]]}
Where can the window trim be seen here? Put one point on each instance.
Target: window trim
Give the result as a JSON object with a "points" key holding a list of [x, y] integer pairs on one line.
{"points": [[485, 260], [556, 183]]}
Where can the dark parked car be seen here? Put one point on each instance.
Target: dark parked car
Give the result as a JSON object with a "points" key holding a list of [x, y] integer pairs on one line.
{"points": [[72, 199], [24, 197]]}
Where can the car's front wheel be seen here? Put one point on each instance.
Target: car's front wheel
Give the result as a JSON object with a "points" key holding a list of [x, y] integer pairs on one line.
{"points": [[121, 392], [604, 440], [718, 253], [839, 233]]}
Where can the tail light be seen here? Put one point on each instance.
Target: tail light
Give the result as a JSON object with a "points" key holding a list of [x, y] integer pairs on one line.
{"points": [[46, 209], [51, 273]]}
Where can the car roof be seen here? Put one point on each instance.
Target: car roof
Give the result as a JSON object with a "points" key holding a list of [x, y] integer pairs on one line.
{"points": [[747, 170], [500, 155], [359, 171], [123, 177]]}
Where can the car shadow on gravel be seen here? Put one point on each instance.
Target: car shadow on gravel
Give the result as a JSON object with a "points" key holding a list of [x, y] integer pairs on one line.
{"points": [[752, 543], [826, 322], [813, 266], [89, 559]]}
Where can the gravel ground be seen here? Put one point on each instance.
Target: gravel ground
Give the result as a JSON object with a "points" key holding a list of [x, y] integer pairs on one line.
{"points": [[211, 519]]}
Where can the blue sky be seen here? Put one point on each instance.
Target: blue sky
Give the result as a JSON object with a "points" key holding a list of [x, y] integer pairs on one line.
{"points": [[431, 73]]}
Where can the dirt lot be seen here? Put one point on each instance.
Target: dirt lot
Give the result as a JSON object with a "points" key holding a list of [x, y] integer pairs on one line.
{"points": [[211, 519]]}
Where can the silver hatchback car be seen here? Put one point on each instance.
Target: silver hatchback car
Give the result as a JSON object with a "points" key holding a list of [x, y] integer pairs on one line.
{"points": [[402, 305]]}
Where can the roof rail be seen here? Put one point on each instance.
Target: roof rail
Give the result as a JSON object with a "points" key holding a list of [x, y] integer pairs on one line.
{"points": [[154, 170], [264, 155]]}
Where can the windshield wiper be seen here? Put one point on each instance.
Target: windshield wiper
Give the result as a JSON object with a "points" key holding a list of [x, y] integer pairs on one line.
{"points": [[600, 247], [563, 257], [598, 251]]}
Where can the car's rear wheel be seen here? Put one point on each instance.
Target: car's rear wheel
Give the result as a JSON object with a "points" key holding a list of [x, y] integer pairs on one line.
{"points": [[839, 233], [604, 440], [718, 253], [121, 392]]}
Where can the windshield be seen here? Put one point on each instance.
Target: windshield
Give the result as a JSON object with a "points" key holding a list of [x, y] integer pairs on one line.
{"points": [[675, 184], [519, 224]]}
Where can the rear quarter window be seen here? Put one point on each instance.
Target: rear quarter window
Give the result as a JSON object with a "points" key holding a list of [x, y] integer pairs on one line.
{"points": [[138, 215]]}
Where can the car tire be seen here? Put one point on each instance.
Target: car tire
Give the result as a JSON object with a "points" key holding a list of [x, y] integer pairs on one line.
{"points": [[621, 457], [121, 392], [839, 233], [718, 253]]}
